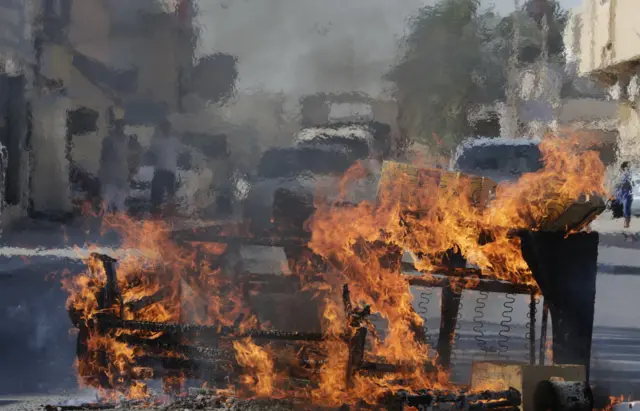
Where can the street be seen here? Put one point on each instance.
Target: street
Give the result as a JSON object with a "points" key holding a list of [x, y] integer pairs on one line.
{"points": [[37, 347]]}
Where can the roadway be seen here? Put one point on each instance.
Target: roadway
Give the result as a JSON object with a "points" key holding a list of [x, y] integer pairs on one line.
{"points": [[37, 349]]}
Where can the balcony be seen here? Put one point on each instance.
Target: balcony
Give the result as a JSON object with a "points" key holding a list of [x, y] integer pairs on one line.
{"points": [[608, 43]]}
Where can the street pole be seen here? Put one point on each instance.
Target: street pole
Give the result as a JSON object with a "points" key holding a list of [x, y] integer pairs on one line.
{"points": [[510, 125]]}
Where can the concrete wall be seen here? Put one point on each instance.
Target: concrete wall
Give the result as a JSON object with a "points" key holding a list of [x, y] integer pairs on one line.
{"points": [[608, 34], [81, 93], [602, 38], [587, 109], [629, 141], [50, 181], [16, 60], [150, 45]]}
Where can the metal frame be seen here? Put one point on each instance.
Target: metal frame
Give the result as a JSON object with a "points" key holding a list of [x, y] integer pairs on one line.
{"points": [[215, 364]]}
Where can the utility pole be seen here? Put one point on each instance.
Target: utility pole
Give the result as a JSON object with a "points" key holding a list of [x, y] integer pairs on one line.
{"points": [[186, 44], [543, 71], [511, 124]]}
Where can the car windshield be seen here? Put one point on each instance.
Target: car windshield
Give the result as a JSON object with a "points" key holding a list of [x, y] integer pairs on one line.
{"points": [[290, 162], [500, 159], [356, 148]]}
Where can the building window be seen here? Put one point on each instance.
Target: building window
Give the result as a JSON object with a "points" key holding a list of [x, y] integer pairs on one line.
{"points": [[82, 121], [79, 122]]}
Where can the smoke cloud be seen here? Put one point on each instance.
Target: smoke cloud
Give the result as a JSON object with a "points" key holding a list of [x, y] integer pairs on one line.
{"points": [[307, 46]]}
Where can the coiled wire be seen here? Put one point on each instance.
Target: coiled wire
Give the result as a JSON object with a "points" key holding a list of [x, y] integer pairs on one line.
{"points": [[456, 335], [503, 336], [478, 324], [423, 311]]}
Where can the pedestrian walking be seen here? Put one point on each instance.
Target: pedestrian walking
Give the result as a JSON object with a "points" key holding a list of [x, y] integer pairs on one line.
{"points": [[624, 192], [165, 149], [114, 171]]}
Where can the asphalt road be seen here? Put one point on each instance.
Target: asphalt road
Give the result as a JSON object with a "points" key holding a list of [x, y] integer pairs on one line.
{"points": [[37, 349]]}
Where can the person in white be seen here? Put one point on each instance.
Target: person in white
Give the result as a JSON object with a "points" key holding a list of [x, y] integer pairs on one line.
{"points": [[165, 149], [114, 171]]}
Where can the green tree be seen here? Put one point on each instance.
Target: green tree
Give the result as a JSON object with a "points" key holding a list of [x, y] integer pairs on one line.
{"points": [[446, 70], [456, 58], [530, 20]]}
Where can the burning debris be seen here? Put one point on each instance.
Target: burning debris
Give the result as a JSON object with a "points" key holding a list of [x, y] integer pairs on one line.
{"points": [[190, 402], [180, 311]]}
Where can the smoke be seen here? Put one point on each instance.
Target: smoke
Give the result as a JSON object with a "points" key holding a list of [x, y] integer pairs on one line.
{"points": [[309, 46], [302, 47]]}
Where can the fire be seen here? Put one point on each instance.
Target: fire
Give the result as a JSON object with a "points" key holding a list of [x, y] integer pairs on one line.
{"points": [[548, 346], [152, 267], [613, 401], [256, 359], [430, 219], [162, 282], [364, 242]]}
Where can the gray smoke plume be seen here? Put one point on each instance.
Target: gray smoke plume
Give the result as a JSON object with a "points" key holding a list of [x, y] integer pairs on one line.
{"points": [[309, 46], [306, 46]]}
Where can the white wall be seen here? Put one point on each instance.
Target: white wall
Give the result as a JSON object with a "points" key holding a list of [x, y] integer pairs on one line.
{"points": [[50, 182]]}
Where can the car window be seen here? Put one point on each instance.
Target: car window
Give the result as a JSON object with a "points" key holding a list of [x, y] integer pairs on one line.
{"points": [[510, 159], [294, 161], [356, 148]]}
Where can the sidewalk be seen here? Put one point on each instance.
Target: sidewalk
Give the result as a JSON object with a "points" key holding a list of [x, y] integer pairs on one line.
{"points": [[605, 224]]}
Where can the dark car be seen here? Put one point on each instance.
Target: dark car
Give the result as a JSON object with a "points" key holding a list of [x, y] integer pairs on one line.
{"points": [[498, 158], [289, 177]]}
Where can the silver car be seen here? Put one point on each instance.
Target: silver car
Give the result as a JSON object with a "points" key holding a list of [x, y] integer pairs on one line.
{"points": [[635, 205], [498, 158]]}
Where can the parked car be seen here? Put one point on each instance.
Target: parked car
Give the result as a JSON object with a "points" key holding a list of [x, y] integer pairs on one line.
{"points": [[505, 160], [635, 205], [288, 178], [499, 159]]}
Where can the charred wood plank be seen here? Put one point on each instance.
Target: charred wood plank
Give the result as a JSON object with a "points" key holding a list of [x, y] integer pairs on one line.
{"points": [[543, 333], [149, 300], [368, 367], [159, 345], [449, 317], [470, 283], [107, 322], [448, 271], [187, 365], [111, 292], [356, 354], [487, 400], [532, 328]]}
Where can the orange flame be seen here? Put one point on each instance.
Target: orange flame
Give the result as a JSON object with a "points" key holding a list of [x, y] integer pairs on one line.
{"points": [[150, 265], [257, 360], [363, 244]]}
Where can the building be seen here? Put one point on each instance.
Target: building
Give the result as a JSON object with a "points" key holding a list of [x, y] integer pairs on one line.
{"points": [[604, 45], [92, 56], [16, 84]]}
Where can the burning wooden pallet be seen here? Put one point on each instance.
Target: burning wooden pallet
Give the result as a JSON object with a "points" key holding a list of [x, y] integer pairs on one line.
{"points": [[170, 350], [205, 352]]}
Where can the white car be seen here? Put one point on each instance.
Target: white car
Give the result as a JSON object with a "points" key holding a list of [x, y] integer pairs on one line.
{"points": [[635, 205]]}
